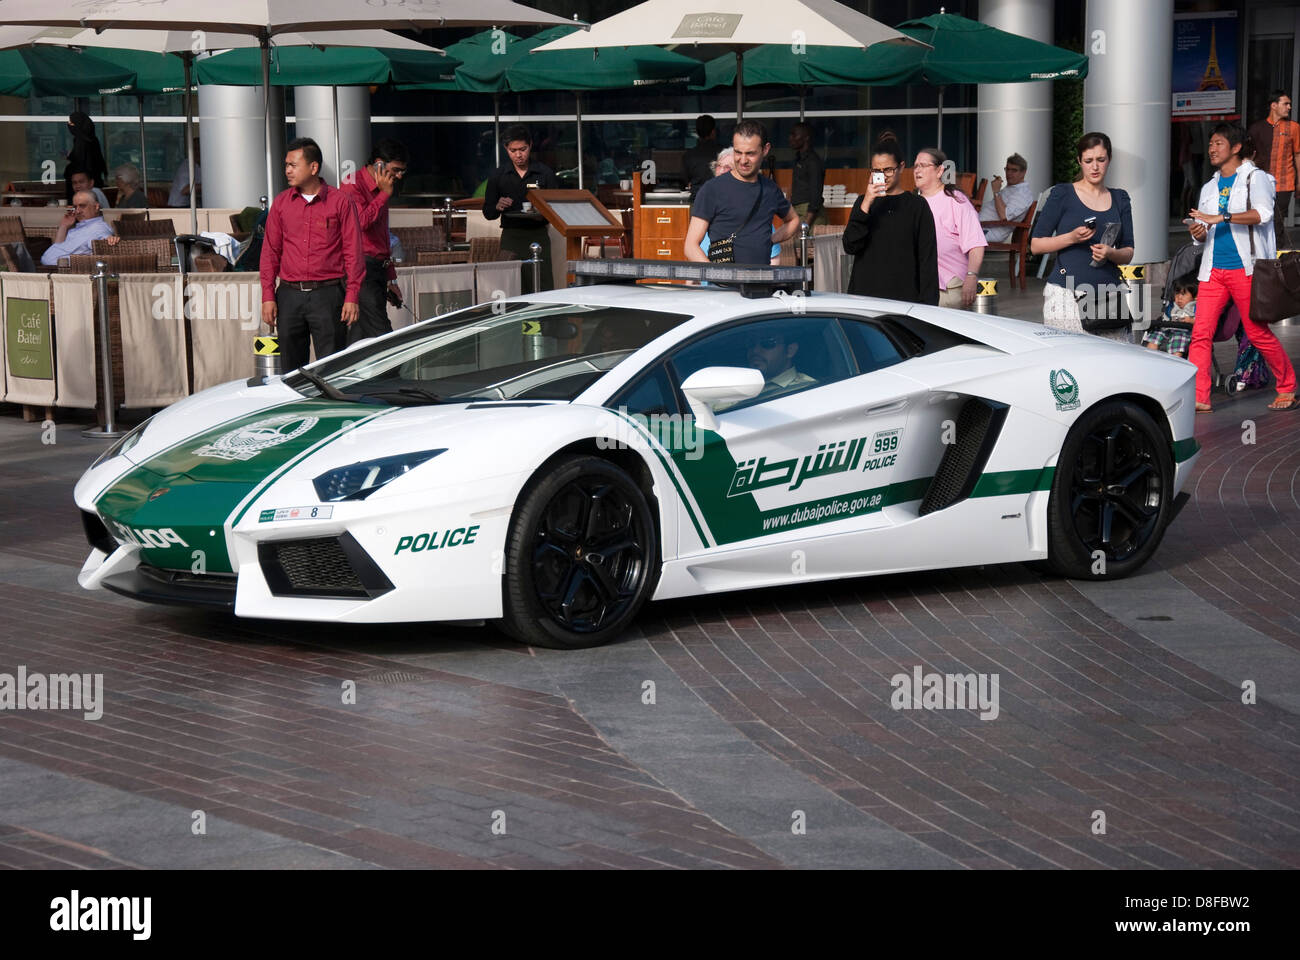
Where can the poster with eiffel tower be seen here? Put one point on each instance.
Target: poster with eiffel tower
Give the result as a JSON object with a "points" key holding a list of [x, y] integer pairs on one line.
{"points": [[1205, 66]]}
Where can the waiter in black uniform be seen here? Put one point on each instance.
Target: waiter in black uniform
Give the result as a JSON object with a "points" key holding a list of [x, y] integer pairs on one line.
{"points": [[507, 189]]}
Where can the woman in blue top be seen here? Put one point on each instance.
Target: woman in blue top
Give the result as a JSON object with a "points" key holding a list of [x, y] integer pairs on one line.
{"points": [[1061, 230]]}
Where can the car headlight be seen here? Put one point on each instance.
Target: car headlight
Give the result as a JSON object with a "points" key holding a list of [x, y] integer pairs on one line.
{"points": [[357, 481], [123, 444]]}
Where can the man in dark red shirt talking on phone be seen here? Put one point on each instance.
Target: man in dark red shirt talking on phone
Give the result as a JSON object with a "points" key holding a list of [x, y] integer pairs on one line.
{"points": [[313, 245]]}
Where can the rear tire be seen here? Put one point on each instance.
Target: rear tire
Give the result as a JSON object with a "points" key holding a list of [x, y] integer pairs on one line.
{"points": [[1112, 492], [580, 556]]}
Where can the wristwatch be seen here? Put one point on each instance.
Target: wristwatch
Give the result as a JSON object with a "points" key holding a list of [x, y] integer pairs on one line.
{"points": [[1227, 218]]}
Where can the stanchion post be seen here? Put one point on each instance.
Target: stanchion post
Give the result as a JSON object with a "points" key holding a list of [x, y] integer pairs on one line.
{"points": [[535, 263], [446, 212], [109, 430], [803, 255]]}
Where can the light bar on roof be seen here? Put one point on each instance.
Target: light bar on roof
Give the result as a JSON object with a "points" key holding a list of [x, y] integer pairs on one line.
{"points": [[753, 281]]}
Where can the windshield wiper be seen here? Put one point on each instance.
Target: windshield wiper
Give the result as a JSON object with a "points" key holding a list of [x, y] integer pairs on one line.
{"points": [[408, 394], [326, 390]]}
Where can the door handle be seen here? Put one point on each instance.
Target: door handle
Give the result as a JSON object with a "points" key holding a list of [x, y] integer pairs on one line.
{"points": [[889, 407]]}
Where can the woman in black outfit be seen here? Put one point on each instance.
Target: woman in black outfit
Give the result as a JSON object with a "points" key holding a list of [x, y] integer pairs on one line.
{"points": [[890, 235], [85, 153]]}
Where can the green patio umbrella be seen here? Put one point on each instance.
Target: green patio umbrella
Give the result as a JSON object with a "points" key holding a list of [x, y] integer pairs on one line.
{"points": [[967, 51], [56, 72], [608, 69], [495, 62], [335, 66], [960, 51], [478, 56]]}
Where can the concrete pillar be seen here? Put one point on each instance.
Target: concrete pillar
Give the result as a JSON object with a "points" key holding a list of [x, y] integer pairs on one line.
{"points": [[313, 108], [1128, 97], [234, 149], [1017, 117]]}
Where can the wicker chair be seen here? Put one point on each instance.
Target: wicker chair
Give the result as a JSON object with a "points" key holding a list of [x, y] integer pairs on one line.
{"points": [[37, 240], [158, 247], [484, 249], [11, 230], [146, 228], [439, 258], [117, 263], [417, 240]]}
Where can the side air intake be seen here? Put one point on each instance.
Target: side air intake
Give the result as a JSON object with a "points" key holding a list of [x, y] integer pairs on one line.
{"points": [[978, 425]]}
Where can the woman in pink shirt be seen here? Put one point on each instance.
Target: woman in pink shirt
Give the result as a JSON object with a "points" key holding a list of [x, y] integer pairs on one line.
{"points": [[957, 230]]}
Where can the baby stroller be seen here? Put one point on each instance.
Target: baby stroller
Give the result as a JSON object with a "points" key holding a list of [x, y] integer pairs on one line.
{"points": [[1185, 262]]}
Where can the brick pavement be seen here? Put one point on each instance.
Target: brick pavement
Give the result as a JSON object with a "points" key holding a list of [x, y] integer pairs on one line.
{"points": [[769, 703]]}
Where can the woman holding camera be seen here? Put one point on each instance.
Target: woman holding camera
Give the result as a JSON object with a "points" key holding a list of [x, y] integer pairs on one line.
{"points": [[890, 235], [1084, 289]]}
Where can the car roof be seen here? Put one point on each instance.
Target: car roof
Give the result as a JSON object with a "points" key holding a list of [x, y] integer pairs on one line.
{"points": [[708, 302]]}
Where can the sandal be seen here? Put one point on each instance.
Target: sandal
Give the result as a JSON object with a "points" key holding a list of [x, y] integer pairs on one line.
{"points": [[1204, 408], [1285, 401]]}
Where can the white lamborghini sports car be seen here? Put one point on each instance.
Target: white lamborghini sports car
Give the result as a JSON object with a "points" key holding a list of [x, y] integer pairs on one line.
{"points": [[554, 461]]}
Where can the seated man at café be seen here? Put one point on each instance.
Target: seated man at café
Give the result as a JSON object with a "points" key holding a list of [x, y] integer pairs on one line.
{"points": [[1010, 202], [81, 181], [81, 225], [129, 193]]}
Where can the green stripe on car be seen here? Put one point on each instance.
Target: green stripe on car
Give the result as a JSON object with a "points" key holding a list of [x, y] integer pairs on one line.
{"points": [[193, 487]]}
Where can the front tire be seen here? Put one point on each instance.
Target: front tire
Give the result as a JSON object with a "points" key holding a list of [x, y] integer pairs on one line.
{"points": [[1112, 494], [580, 556]]}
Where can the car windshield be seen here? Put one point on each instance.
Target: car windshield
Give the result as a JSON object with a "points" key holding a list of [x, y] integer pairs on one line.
{"points": [[497, 351]]}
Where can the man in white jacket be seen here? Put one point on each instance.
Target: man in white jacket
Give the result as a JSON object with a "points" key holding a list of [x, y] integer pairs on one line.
{"points": [[1235, 206]]}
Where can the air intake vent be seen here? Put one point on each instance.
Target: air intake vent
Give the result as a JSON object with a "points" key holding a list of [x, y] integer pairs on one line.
{"points": [[321, 567], [978, 425], [96, 533]]}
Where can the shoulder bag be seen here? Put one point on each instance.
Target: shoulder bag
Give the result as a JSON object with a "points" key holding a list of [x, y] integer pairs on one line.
{"points": [[1275, 284], [724, 250]]}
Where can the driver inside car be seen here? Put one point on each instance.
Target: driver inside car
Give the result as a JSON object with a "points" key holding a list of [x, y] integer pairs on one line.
{"points": [[773, 356]]}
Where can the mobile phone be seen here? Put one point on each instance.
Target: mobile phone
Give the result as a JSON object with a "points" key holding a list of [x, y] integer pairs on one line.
{"points": [[877, 177], [379, 164], [1188, 221]]}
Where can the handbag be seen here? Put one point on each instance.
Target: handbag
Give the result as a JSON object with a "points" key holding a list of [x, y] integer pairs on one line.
{"points": [[724, 251], [1274, 284], [1104, 319]]}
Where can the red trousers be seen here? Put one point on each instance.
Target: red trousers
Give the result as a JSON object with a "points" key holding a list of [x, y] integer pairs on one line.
{"points": [[1211, 300]]}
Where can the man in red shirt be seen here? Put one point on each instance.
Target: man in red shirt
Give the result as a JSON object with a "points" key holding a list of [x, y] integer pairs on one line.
{"points": [[313, 245], [1277, 143], [371, 189]]}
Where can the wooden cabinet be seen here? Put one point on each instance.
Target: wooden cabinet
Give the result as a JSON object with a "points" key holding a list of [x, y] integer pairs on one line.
{"points": [[664, 222], [660, 248]]}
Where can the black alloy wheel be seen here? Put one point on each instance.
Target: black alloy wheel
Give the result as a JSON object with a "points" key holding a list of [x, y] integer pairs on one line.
{"points": [[1112, 493], [580, 557]]}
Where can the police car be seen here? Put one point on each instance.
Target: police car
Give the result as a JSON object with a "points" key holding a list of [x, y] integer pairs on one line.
{"points": [[552, 462]]}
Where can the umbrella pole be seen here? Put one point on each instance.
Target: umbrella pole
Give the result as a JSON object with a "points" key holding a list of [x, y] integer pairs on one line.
{"points": [[938, 137], [338, 167], [803, 97], [189, 144], [266, 115], [144, 171], [740, 85], [577, 102], [496, 129]]}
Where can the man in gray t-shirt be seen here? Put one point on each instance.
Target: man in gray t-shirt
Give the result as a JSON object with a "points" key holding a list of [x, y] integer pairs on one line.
{"points": [[723, 205]]}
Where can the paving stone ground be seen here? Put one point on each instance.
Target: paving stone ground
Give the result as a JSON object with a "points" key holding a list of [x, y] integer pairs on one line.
{"points": [[772, 708]]}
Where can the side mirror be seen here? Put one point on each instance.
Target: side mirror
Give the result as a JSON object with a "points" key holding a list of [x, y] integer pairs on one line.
{"points": [[711, 387]]}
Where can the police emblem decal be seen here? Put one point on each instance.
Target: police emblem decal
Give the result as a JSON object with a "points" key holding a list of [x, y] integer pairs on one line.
{"points": [[246, 442], [1065, 390]]}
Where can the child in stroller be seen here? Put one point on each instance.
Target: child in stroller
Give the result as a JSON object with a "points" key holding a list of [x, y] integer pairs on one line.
{"points": [[1173, 332]]}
